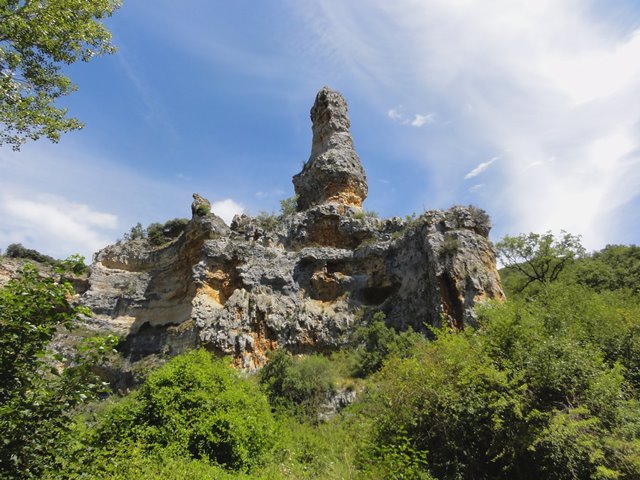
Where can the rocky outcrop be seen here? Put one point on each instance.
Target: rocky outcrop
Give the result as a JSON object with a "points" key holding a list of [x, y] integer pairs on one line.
{"points": [[333, 173], [301, 281]]}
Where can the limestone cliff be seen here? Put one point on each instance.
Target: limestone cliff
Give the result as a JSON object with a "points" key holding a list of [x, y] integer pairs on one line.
{"points": [[301, 281]]}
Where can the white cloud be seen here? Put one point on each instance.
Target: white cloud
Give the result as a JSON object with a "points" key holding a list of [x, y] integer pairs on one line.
{"points": [[420, 120], [55, 224], [394, 114], [227, 209], [480, 168], [68, 198], [415, 120], [476, 187]]}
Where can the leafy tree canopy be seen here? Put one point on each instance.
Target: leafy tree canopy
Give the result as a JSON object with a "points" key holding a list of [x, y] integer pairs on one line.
{"points": [[37, 395], [37, 37], [539, 258]]}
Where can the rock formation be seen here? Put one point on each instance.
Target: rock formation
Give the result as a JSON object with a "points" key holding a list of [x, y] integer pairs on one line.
{"points": [[302, 281], [333, 173]]}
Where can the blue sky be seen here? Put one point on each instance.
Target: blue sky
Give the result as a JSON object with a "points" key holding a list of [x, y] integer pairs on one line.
{"points": [[530, 110]]}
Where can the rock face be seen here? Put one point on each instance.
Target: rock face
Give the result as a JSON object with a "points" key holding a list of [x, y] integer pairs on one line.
{"points": [[333, 173], [302, 281]]}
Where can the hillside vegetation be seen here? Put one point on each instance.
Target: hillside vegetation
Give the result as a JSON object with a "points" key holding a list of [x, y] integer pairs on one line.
{"points": [[545, 385]]}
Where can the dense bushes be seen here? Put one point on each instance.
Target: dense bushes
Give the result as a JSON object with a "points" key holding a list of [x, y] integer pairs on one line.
{"points": [[543, 389], [196, 407], [17, 250], [614, 267], [376, 342]]}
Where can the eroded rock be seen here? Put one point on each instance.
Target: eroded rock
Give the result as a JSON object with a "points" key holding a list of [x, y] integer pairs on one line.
{"points": [[333, 173], [300, 281]]}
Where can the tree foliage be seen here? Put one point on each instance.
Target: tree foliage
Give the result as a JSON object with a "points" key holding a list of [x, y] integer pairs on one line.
{"points": [[38, 37], [612, 268], [538, 258], [376, 342], [37, 394]]}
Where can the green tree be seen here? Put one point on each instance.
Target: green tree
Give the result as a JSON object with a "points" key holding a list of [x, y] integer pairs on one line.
{"points": [[38, 37], [612, 268], [538, 257], [37, 394]]}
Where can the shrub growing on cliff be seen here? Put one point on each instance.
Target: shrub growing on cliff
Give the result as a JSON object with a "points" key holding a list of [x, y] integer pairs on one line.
{"points": [[17, 250], [196, 407], [289, 206], [203, 210]]}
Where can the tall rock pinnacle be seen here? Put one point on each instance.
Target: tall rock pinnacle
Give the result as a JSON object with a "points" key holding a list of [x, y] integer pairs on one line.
{"points": [[333, 173]]}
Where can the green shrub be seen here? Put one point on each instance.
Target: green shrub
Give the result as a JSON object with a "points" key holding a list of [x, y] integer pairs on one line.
{"points": [[449, 246], [202, 210], [298, 385], [544, 389], [155, 234], [376, 342], [268, 221], [198, 407], [289, 206], [174, 227]]}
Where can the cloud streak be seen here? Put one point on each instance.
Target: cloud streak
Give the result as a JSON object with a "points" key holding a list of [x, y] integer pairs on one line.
{"points": [[416, 120], [480, 168]]}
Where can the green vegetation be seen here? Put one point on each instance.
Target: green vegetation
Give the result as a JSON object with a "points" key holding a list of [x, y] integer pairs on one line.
{"points": [[72, 265], [362, 214], [289, 206], [203, 210], [158, 234], [376, 342], [194, 407], [38, 395], [538, 258], [268, 221], [612, 268], [546, 385], [37, 39], [298, 386]]}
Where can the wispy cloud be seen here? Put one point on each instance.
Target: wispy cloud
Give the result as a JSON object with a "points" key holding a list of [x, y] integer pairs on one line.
{"points": [[54, 200], [271, 193], [55, 223], [420, 120], [544, 79], [480, 168], [413, 120]]}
